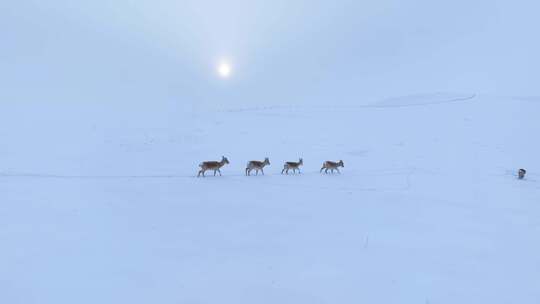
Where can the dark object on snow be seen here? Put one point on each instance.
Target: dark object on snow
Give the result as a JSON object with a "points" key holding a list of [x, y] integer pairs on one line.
{"points": [[521, 173]]}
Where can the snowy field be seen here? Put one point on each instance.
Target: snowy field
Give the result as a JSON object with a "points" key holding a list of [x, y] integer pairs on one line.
{"points": [[100, 204]]}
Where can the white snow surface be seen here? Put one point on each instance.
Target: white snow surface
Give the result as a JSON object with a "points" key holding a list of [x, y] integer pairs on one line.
{"points": [[100, 204]]}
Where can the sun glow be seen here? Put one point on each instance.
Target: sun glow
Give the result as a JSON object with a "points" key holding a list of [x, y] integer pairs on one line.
{"points": [[224, 69]]}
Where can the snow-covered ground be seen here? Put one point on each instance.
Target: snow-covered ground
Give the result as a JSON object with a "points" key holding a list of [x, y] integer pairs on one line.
{"points": [[100, 204]]}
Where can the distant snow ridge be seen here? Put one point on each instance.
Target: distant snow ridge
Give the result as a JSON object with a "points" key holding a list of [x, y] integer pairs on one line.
{"points": [[394, 102], [423, 99]]}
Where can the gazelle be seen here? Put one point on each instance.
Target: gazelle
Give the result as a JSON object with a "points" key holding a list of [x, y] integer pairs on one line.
{"points": [[521, 173], [256, 165], [330, 165], [292, 165], [212, 165]]}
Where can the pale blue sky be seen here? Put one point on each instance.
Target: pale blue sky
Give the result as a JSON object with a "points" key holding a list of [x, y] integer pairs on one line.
{"points": [[281, 51]]}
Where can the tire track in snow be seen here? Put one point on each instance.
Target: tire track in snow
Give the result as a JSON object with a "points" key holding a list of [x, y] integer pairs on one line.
{"points": [[236, 178], [67, 176]]}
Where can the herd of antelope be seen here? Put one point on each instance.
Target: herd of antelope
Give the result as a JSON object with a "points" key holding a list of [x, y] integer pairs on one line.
{"points": [[294, 166], [259, 166]]}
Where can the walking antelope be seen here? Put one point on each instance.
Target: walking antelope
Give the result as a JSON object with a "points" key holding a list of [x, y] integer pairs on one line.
{"points": [[292, 166], [330, 165], [521, 173], [256, 165], [212, 165]]}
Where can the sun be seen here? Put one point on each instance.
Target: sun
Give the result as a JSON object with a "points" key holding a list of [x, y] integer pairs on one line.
{"points": [[224, 69]]}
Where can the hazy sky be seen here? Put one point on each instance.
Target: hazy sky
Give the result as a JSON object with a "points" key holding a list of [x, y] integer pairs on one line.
{"points": [[282, 52]]}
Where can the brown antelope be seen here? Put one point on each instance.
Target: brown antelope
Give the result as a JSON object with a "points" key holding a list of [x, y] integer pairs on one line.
{"points": [[256, 165], [330, 165], [521, 173], [212, 165], [292, 165]]}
